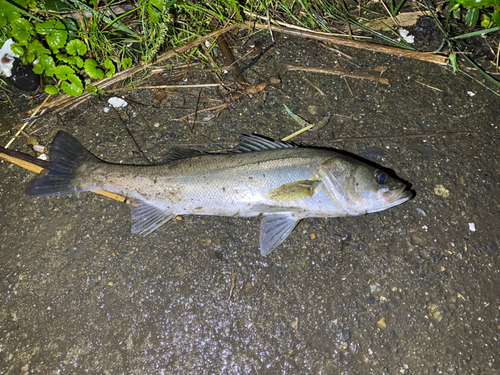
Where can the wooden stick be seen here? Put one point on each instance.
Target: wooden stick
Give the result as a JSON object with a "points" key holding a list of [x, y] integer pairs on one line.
{"points": [[38, 166], [422, 56]]}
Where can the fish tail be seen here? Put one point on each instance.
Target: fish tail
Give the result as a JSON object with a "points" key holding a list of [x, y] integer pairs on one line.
{"points": [[67, 156]]}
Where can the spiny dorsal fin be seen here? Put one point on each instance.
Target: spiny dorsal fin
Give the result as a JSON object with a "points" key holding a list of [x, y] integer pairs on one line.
{"points": [[252, 143], [181, 153]]}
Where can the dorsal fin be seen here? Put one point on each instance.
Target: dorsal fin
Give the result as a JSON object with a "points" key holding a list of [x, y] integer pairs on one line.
{"points": [[180, 153], [252, 143]]}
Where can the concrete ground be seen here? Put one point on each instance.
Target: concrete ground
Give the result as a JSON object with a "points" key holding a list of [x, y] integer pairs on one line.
{"points": [[411, 290]]}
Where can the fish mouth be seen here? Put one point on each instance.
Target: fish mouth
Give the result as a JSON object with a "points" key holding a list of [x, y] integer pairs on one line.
{"points": [[397, 195]]}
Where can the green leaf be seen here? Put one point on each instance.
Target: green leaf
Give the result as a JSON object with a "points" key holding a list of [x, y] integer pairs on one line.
{"points": [[91, 68], [8, 13], [108, 64], [71, 25], [127, 62], [17, 49], [72, 60], [45, 63], [453, 61], [79, 62], [477, 4], [57, 5], [91, 89], [74, 87], [154, 14], [496, 18], [37, 48], [63, 71], [156, 3], [68, 59], [29, 58], [485, 21], [76, 46], [471, 17], [51, 89], [55, 31], [22, 30]]}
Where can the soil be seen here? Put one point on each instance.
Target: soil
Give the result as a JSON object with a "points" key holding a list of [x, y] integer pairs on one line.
{"points": [[411, 290]]}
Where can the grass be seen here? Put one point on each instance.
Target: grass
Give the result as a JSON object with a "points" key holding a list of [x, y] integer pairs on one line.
{"points": [[153, 26]]}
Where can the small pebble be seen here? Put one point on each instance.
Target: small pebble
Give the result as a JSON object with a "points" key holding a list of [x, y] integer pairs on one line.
{"points": [[441, 191], [312, 109], [381, 324]]}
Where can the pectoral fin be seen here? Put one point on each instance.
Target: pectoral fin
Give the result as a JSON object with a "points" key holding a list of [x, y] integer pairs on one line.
{"points": [[274, 229], [293, 190], [149, 218]]}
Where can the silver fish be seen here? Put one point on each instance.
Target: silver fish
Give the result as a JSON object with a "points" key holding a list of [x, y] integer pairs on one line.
{"points": [[279, 181]]}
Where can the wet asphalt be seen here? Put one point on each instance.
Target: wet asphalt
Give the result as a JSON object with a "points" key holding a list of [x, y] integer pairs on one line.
{"points": [[411, 290]]}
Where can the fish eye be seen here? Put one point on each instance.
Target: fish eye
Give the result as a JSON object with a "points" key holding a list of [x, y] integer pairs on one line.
{"points": [[380, 176]]}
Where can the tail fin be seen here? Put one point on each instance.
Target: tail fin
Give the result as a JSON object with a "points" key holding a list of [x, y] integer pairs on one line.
{"points": [[66, 156]]}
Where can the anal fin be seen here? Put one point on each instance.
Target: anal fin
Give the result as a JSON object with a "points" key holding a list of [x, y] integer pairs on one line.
{"points": [[149, 218], [274, 229]]}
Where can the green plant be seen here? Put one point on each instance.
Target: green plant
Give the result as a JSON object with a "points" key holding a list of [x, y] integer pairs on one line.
{"points": [[395, 7], [474, 9], [55, 45]]}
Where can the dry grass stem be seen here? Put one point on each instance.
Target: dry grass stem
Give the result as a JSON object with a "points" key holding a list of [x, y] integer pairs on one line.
{"points": [[313, 85], [431, 87], [271, 28], [325, 37], [340, 72], [26, 123]]}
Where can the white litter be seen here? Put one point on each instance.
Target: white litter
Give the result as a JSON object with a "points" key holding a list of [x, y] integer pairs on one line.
{"points": [[7, 58], [117, 102], [405, 34]]}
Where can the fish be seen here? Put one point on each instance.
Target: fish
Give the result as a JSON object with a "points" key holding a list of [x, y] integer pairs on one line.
{"points": [[281, 182]]}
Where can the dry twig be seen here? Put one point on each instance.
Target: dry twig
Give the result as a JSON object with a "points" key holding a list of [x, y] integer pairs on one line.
{"points": [[341, 72], [422, 56]]}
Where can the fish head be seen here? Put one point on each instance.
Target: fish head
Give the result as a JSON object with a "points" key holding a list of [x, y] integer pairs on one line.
{"points": [[360, 187]]}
